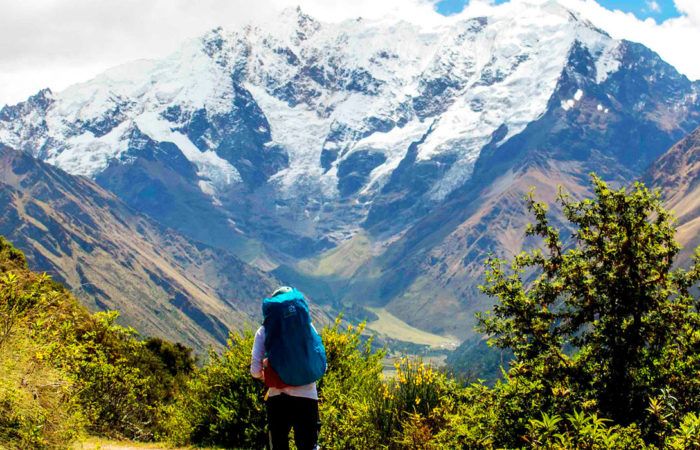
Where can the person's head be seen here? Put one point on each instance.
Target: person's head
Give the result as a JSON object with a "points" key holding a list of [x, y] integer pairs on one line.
{"points": [[280, 290]]}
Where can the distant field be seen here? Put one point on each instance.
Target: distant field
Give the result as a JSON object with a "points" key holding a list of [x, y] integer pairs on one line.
{"points": [[393, 327], [342, 261]]}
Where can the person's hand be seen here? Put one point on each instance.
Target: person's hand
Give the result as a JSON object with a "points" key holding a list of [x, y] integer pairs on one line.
{"points": [[265, 366]]}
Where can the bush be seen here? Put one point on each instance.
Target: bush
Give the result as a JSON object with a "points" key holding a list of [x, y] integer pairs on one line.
{"points": [[37, 408], [221, 404], [409, 398], [687, 435], [348, 390], [581, 431], [467, 419], [64, 371], [602, 324]]}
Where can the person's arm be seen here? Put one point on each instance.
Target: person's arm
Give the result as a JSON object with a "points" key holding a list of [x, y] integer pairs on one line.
{"points": [[258, 354]]}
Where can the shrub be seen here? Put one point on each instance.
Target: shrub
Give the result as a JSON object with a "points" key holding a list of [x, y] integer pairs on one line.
{"points": [[221, 404], [348, 390], [37, 408], [416, 389], [64, 370], [467, 418], [581, 431], [687, 435]]}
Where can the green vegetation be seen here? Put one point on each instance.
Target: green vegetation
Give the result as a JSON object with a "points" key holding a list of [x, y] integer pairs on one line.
{"points": [[474, 360], [65, 372], [607, 325], [602, 330]]}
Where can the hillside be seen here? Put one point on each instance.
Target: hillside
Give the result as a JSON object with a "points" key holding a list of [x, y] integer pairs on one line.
{"points": [[379, 160], [593, 366], [677, 175], [439, 260], [113, 258]]}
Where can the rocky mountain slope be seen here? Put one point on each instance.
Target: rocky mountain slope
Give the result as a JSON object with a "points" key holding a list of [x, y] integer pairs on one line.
{"points": [[382, 159], [677, 175], [617, 128], [310, 129], [113, 258]]}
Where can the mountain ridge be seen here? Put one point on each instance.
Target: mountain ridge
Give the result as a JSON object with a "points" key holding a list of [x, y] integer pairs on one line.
{"points": [[677, 175], [113, 258], [302, 109], [406, 149]]}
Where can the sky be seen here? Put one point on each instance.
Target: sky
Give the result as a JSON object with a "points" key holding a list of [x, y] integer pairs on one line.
{"points": [[659, 10], [56, 43]]}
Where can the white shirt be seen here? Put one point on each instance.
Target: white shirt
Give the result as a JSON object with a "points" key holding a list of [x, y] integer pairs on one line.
{"points": [[256, 370]]}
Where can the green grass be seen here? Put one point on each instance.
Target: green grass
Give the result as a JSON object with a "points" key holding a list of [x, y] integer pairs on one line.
{"points": [[391, 326], [342, 261]]}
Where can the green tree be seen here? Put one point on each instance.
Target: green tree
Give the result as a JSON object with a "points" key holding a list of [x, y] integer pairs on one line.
{"points": [[600, 318]]}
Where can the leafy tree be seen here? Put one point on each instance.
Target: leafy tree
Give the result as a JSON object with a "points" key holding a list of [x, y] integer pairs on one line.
{"points": [[601, 319]]}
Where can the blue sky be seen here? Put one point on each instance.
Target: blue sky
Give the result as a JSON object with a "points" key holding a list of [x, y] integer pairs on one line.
{"points": [[659, 10]]}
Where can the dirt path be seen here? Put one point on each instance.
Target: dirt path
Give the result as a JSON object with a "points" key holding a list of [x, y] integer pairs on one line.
{"points": [[103, 444]]}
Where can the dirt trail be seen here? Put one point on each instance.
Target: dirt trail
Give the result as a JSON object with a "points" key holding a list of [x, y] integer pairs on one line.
{"points": [[98, 444]]}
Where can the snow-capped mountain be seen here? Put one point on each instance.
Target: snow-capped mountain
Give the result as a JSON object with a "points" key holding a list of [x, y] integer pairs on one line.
{"points": [[293, 137], [320, 114]]}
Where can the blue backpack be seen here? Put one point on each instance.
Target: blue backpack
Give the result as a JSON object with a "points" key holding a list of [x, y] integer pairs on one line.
{"points": [[294, 349]]}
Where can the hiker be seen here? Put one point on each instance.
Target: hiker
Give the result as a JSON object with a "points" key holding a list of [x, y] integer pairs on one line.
{"points": [[289, 357]]}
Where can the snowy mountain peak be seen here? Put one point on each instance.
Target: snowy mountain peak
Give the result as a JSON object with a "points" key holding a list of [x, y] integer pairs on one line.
{"points": [[303, 24], [323, 117]]}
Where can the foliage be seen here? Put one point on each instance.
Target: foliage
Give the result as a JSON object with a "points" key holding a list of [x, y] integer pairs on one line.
{"points": [[687, 435], [349, 388], [118, 393], [65, 371], [221, 404], [474, 360], [466, 419], [413, 394], [581, 431], [36, 407], [10, 257], [613, 297]]}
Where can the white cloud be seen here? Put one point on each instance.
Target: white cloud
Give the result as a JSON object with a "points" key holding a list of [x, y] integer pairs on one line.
{"points": [[675, 40], [691, 8], [654, 6], [59, 42]]}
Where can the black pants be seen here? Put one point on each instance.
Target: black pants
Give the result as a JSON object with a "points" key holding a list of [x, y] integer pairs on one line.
{"points": [[285, 412]]}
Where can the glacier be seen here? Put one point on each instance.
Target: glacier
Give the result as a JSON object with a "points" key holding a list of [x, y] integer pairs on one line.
{"points": [[330, 111]]}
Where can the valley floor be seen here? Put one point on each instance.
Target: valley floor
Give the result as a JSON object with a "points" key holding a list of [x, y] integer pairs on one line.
{"points": [[391, 326]]}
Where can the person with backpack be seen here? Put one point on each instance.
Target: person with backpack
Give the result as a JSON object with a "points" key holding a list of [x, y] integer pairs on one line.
{"points": [[289, 356]]}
